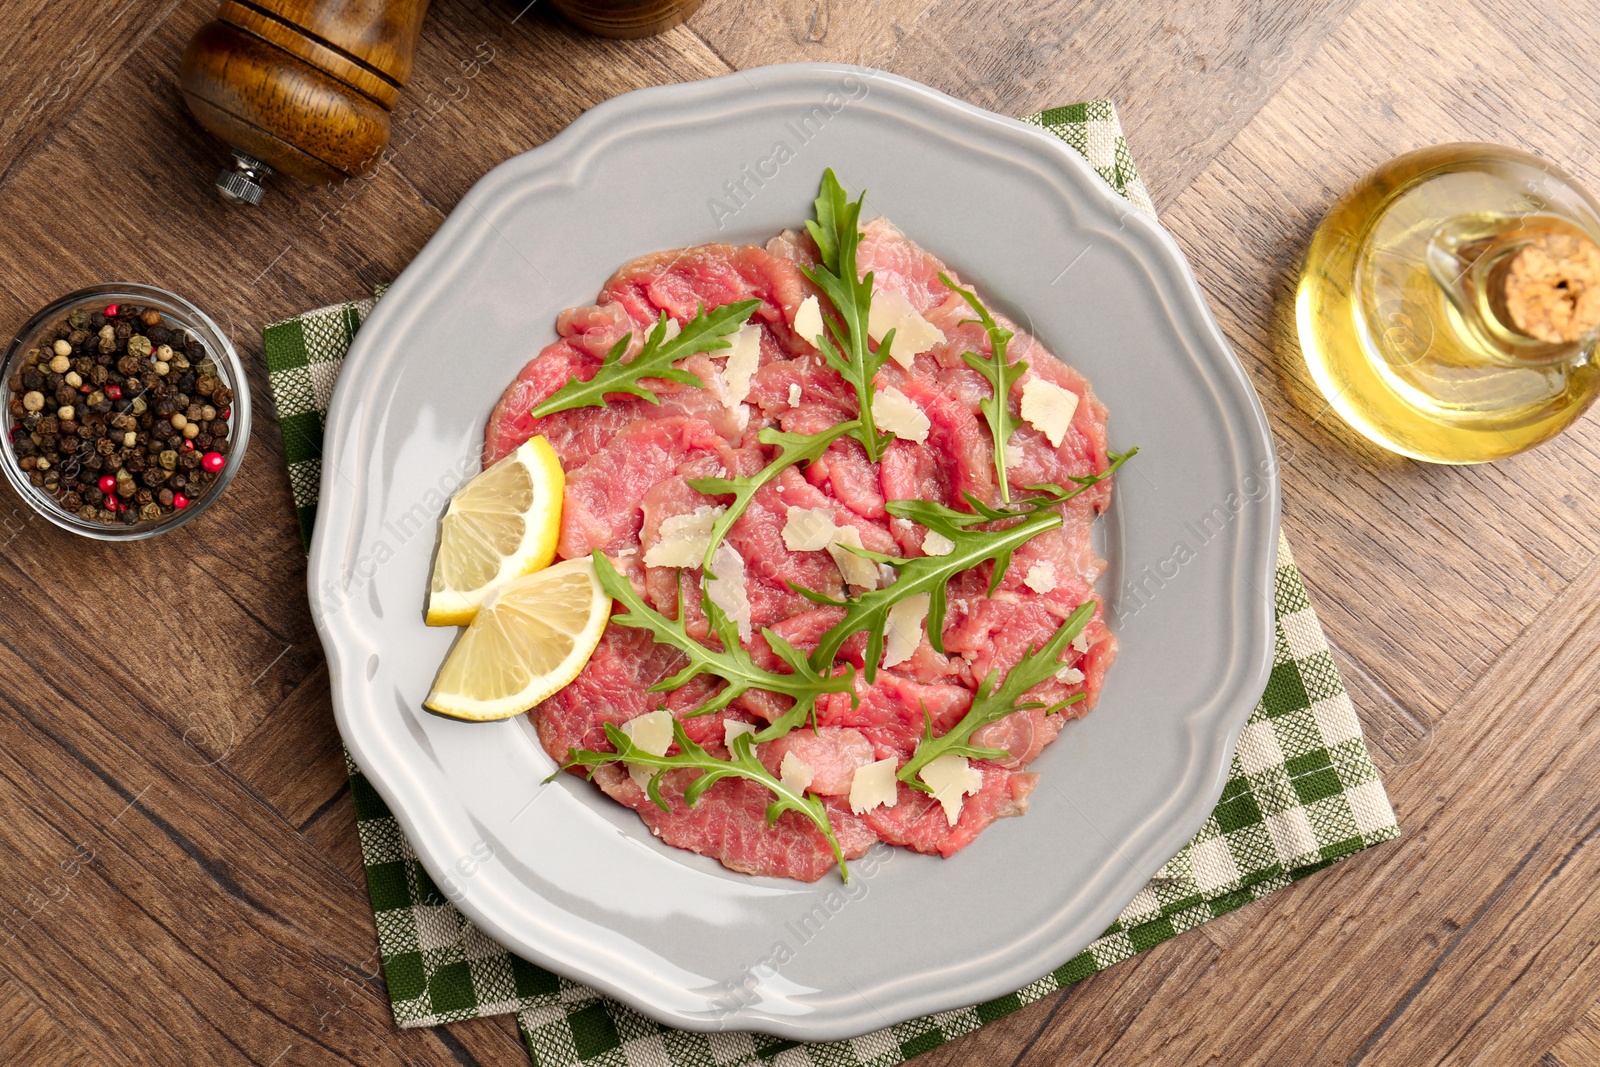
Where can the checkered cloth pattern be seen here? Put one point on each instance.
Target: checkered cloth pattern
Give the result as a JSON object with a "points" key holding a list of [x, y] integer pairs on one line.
{"points": [[1302, 793]]}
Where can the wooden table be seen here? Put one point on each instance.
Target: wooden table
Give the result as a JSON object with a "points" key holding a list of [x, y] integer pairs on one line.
{"points": [[182, 877]]}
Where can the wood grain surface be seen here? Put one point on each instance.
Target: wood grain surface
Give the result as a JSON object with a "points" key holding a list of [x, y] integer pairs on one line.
{"points": [[183, 882]]}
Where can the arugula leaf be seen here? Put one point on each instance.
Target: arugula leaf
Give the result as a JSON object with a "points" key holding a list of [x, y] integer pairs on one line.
{"points": [[932, 574], [994, 702], [792, 448], [837, 232], [691, 756], [928, 574], [732, 663], [706, 332], [1001, 375]]}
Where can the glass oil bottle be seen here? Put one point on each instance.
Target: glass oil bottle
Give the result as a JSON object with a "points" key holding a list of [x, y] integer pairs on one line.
{"points": [[1449, 308]]}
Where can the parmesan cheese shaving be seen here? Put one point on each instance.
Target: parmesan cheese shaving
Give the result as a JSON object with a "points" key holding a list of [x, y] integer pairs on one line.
{"points": [[743, 358], [859, 572], [937, 544], [903, 629], [1069, 675], [808, 320], [795, 772], [652, 733], [808, 529], [951, 778], [1081, 642], [673, 330], [732, 728], [795, 394], [1041, 578], [727, 589], [1049, 408], [896, 413], [873, 785], [913, 334], [813, 529], [683, 538]]}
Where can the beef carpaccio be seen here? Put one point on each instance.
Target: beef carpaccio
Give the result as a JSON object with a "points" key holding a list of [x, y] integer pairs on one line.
{"points": [[629, 465]]}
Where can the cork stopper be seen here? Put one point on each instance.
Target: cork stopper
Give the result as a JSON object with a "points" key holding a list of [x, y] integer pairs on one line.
{"points": [[1549, 289]]}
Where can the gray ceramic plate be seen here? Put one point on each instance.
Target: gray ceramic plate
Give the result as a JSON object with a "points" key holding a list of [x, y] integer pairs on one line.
{"points": [[565, 877]]}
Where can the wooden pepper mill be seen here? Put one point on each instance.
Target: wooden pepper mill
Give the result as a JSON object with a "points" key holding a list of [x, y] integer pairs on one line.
{"points": [[626, 18], [300, 86]]}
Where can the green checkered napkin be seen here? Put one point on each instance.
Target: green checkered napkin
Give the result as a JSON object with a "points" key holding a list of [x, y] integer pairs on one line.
{"points": [[1302, 793]]}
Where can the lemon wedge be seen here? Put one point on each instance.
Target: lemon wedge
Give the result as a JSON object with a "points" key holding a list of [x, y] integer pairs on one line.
{"points": [[529, 639], [502, 524]]}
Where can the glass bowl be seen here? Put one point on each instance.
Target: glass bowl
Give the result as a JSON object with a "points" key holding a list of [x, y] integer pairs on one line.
{"points": [[177, 314]]}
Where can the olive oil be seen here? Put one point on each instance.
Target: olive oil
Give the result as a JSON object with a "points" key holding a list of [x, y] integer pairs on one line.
{"points": [[1450, 303]]}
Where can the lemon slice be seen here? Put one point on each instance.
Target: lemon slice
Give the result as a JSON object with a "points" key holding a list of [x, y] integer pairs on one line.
{"points": [[499, 526], [530, 639]]}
